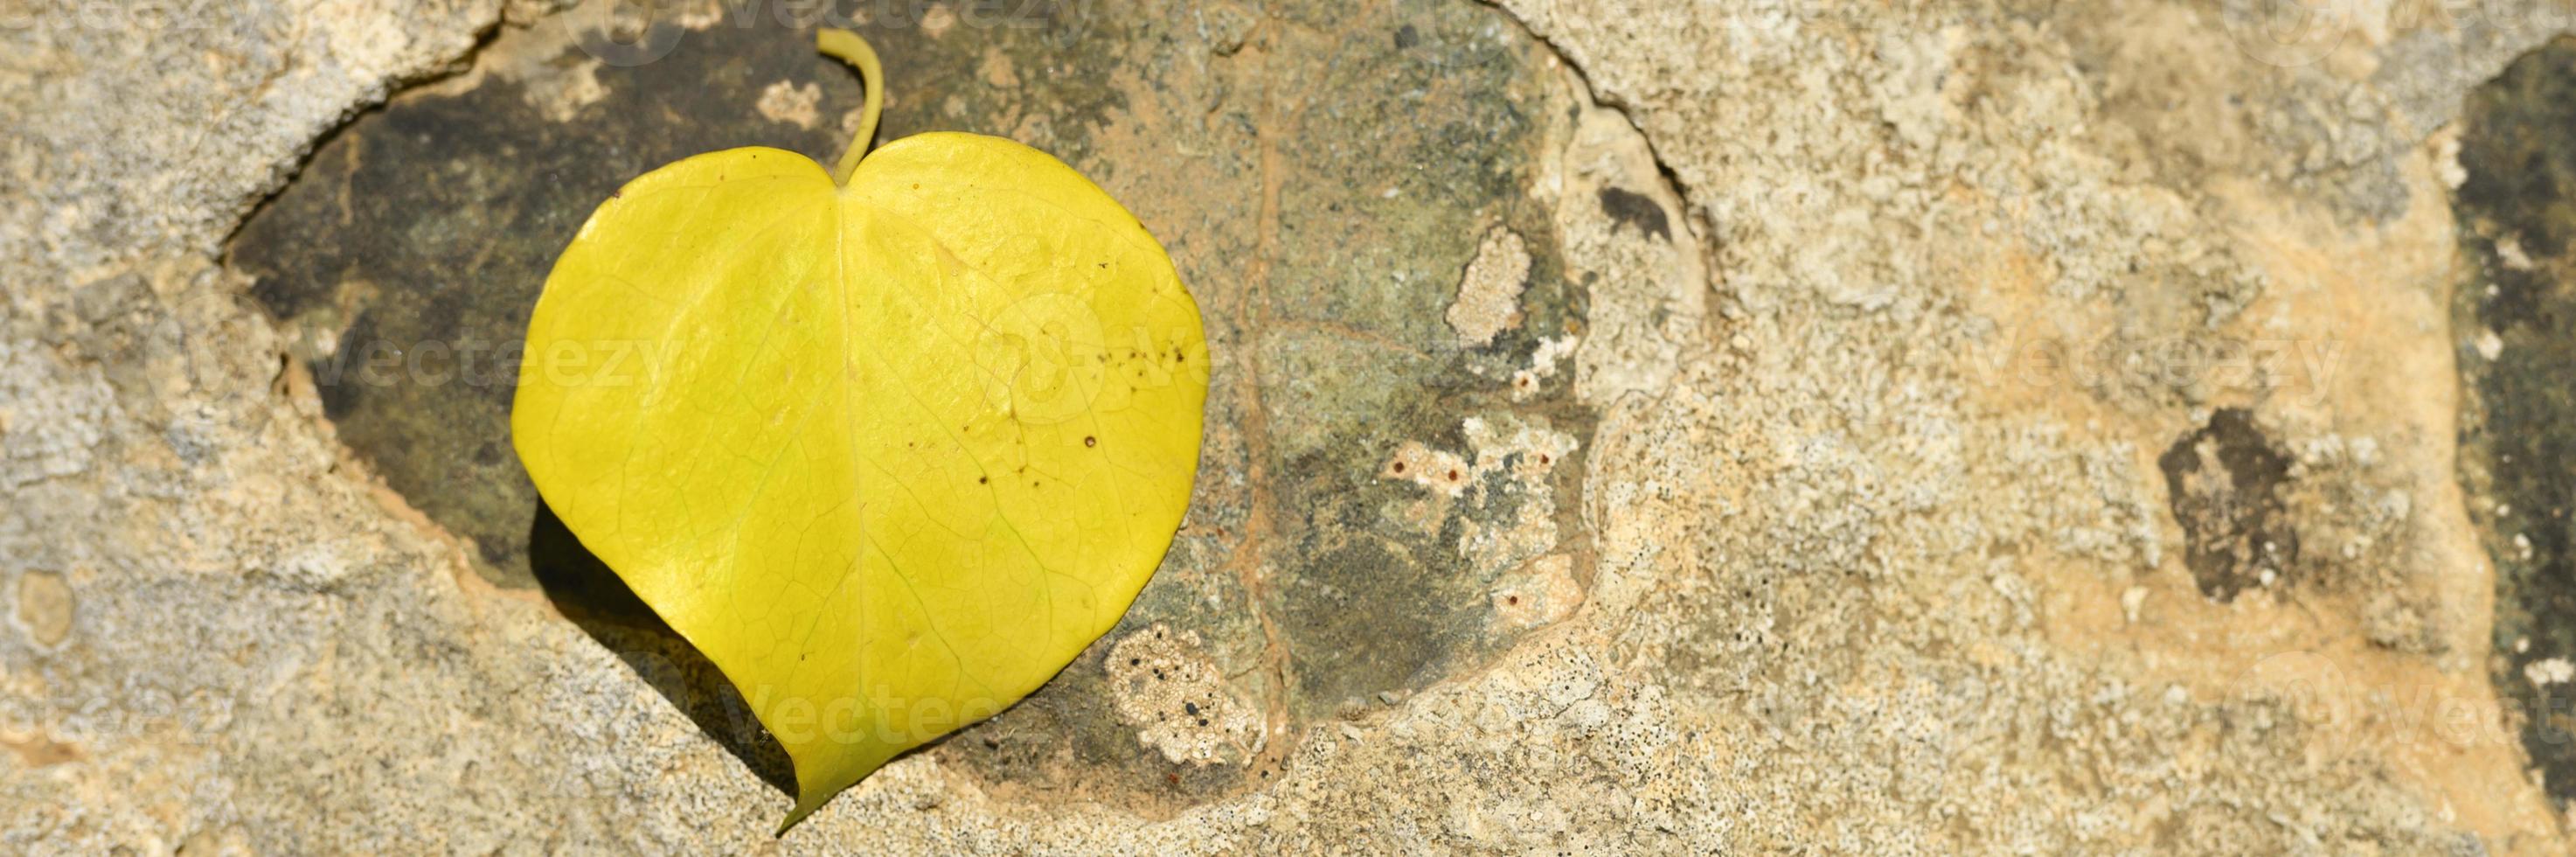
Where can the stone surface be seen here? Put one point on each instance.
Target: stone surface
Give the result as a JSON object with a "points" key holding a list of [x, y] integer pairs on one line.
{"points": [[1881, 447]]}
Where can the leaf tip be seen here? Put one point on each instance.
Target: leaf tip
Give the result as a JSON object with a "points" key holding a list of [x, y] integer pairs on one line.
{"points": [[805, 805]]}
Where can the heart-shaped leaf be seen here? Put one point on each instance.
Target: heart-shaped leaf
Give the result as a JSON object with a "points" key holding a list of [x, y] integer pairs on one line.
{"points": [[890, 447]]}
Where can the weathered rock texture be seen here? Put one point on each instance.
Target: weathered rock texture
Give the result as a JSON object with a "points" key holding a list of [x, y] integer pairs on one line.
{"points": [[1636, 426]]}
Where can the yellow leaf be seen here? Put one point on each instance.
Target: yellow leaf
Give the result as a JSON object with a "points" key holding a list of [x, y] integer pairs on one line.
{"points": [[889, 446]]}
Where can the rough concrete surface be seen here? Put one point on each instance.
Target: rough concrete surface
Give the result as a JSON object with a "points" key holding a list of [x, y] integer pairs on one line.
{"points": [[1635, 427]]}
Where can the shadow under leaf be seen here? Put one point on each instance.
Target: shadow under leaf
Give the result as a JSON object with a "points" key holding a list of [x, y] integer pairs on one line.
{"points": [[584, 590]]}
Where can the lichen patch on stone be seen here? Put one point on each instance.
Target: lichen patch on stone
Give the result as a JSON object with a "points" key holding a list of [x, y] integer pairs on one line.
{"points": [[1167, 687], [996, 69], [1541, 592], [1542, 366], [937, 21], [45, 607], [784, 101], [1489, 296], [2549, 672], [1438, 470], [1524, 452], [561, 92], [1500, 492], [1528, 451]]}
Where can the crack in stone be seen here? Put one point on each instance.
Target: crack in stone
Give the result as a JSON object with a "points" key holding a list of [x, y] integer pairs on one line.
{"points": [[1594, 96], [463, 64]]}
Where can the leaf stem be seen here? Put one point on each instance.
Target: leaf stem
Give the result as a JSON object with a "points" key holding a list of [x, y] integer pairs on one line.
{"points": [[848, 47]]}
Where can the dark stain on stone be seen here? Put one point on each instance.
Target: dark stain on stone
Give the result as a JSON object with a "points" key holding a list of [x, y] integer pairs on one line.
{"points": [[419, 237], [437, 218], [1629, 208], [1429, 148], [1425, 144], [361, 343], [406, 256], [1377, 617], [2518, 421], [1361, 604], [2225, 483]]}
